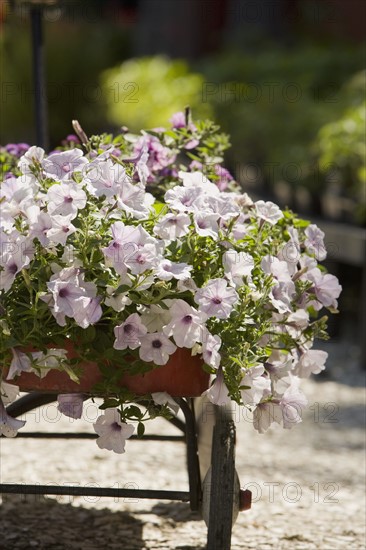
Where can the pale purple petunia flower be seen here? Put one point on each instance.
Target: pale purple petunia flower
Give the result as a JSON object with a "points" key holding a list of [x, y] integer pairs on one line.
{"points": [[88, 311], [8, 392], [126, 243], [268, 211], [163, 398], [20, 363], [210, 349], [314, 242], [71, 404], [167, 270], [216, 299], [312, 361], [326, 287], [61, 165], [156, 347], [265, 414], [206, 224], [237, 265], [129, 333], [256, 385], [112, 431], [186, 324], [292, 404], [172, 226], [218, 393], [39, 224], [12, 264], [60, 230], [65, 199], [9, 426], [178, 120], [144, 258]]}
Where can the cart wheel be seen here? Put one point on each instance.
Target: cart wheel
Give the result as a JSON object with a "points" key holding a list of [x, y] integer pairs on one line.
{"points": [[205, 413], [221, 487]]}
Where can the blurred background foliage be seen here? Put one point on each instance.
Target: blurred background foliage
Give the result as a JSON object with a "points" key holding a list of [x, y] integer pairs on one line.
{"points": [[293, 107], [77, 51]]}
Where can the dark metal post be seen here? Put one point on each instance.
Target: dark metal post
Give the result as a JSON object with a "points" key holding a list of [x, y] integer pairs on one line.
{"points": [[39, 80]]}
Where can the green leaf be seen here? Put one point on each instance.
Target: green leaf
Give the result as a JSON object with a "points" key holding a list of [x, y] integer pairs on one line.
{"points": [[140, 429], [109, 403]]}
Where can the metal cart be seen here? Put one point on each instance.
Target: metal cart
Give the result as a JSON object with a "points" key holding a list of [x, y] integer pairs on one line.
{"points": [[214, 488]]}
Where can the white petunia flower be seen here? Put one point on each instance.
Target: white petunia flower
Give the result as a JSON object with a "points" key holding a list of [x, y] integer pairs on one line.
{"points": [[30, 158], [187, 284], [117, 302], [182, 198], [197, 180], [134, 200], [52, 359], [105, 177], [88, 311]]}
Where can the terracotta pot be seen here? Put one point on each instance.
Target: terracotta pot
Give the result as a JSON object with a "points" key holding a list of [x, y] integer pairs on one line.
{"points": [[182, 376]]}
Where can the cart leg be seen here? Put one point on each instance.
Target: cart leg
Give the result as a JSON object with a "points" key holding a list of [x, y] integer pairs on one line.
{"points": [[224, 484], [29, 402]]}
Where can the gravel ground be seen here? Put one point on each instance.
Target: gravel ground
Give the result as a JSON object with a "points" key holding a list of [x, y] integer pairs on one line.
{"points": [[308, 484]]}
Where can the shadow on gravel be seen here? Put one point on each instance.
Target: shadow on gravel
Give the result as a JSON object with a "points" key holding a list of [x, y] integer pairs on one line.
{"points": [[353, 416], [178, 511], [45, 524]]}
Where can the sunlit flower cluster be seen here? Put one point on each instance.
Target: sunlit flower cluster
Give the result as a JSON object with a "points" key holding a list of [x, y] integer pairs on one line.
{"points": [[92, 253]]}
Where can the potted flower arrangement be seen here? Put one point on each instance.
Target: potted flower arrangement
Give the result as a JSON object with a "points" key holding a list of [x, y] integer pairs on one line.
{"points": [[130, 262]]}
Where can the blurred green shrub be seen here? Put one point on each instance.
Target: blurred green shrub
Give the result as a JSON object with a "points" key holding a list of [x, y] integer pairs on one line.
{"points": [[150, 90], [341, 148]]}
